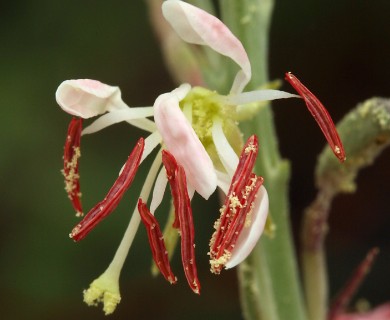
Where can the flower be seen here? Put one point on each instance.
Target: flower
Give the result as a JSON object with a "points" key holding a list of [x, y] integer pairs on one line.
{"points": [[198, 130]]}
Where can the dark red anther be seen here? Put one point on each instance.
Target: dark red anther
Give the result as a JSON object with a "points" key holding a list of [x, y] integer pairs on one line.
{"points": [[237, 207], [237, 224], [187, 232], [111, 201], [183, 211], [170, 165], [156, 241], [321, 115], [71, 164]]}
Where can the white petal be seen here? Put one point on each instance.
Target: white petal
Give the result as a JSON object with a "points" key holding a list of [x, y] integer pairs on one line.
{"points": [[88, 98], [182, 141], [118, 116], [196, 26], [151, 142], [159, 189], [250, 235], [225, 152], [223, 181], [144, 124], [257, 96]]}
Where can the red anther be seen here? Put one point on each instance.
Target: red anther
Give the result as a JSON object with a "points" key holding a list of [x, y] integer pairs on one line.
{"points": [[156, 241], [111, 201], [187, 232], [71, 164], [344, 297], [183, 212], [321, 115], [237, 207], [170, 165], [246, 164], [237, 224]]}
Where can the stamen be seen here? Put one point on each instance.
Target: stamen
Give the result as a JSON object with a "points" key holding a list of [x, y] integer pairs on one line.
{"points": [[244, 169], [321, 115], [156, 241], [183, 219], [187, 233], [237, 208], [171, 166], [110, 202], [71, 164]]}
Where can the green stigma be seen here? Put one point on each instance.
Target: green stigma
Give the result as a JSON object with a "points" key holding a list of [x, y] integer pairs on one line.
{"points": [[201, 107]]}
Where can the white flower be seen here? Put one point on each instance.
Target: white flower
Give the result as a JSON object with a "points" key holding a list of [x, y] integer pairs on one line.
{"points": [[199, 129]]}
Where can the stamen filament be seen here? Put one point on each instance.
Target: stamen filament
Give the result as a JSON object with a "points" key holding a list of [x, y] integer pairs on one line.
{"points": [[111, 201], [321, 115]]}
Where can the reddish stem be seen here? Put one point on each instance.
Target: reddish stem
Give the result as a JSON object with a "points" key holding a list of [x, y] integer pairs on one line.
{"points": [[321, 115], [156, 241], [344, 297], [71, 164], [111, 201]]}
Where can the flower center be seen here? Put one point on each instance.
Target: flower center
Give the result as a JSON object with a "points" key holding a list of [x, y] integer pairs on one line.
{"points": [[202, 107]]}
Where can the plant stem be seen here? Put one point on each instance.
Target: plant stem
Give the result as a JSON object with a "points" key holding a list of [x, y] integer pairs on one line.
{"points": [[365, 132], [269, 281]]}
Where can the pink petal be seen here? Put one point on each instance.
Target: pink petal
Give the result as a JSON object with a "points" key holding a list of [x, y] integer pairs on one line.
{"points": [[250, 235], [381, 312], [196, 26], [182, 141], [87, 98]]}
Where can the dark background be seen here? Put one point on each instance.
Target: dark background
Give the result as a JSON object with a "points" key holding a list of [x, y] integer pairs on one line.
{"points": [[340, 50]]}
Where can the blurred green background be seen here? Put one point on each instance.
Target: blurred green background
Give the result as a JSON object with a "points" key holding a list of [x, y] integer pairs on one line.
{"points": [[341, 51]]}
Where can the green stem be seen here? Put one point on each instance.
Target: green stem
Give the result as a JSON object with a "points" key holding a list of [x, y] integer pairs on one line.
{"points": [[313, 254], [274, 291], [365, 132]]}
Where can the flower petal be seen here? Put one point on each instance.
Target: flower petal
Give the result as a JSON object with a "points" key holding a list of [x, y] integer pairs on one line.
{"points": [[117, 116], [88, 98], [182, 141], [257, 96], [196, 26], [225, 152], [158, 191], [250, 235], [381, 312], [223, 181]]}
